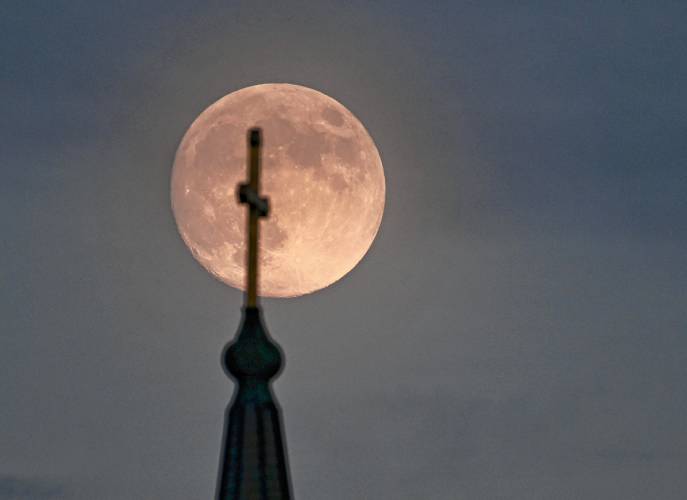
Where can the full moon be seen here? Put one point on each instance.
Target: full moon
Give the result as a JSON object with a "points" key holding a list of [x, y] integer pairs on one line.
{"points": [[320, 170]]}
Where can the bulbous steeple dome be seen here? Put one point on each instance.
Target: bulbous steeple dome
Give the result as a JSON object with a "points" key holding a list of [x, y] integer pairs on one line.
{"points": [[254, 465]]}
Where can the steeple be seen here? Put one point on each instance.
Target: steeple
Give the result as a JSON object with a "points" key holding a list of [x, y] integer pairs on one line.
{"points": [[253, 464]]}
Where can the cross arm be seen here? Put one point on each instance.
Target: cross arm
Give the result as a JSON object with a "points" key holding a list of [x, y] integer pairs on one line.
{"points": [[250, 197]]}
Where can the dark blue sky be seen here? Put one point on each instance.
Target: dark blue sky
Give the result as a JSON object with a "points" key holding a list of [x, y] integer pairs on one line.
{"points": [[516, 331]]}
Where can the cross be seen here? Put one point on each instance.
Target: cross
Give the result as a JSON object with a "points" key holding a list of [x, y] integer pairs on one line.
{"points": [[249, 194]]}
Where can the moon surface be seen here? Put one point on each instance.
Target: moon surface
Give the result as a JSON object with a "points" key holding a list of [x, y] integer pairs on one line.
{"points": [[320, 170]]}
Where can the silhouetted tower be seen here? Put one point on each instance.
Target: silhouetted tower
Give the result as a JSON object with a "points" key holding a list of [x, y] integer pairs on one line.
{"points": [[253, 464]]}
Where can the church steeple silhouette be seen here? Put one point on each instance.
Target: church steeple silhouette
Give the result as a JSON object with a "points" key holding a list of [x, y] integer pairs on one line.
{"points": [[253, 463]]}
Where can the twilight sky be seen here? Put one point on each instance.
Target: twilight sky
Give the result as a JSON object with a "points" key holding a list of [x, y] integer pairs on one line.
{"points": [[517, 331]]}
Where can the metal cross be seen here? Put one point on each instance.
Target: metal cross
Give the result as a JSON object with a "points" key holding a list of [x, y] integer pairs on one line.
{"points": [[249, 194]]}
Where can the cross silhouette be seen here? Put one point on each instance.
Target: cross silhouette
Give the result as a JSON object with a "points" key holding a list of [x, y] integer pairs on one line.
{"points": [[249, 194]]}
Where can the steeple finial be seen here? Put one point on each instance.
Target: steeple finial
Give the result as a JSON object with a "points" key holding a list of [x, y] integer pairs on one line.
{"points": [[249, 194], [254, 465]]}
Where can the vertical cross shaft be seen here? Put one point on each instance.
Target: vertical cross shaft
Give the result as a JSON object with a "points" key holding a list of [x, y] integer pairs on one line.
{"points": [[249, 193]]}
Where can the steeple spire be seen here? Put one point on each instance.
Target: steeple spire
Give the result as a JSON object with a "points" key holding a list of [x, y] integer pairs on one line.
{"points": [[253, 465]]}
